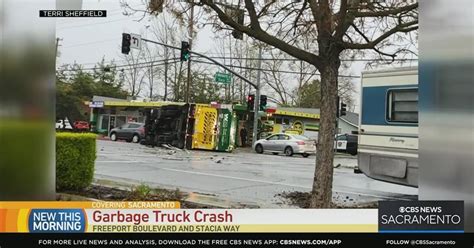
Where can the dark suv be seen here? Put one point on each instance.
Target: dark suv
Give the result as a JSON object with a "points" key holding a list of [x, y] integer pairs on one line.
{"points": [[131, 132]]}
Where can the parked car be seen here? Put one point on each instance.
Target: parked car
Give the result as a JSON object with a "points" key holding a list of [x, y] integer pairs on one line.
{"points": [[288, 144], [131, 132], [346, 143], [81, 126]]}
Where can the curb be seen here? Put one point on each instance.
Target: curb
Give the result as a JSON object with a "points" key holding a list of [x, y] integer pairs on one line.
{"points": [[190, 197], [70, 197]]}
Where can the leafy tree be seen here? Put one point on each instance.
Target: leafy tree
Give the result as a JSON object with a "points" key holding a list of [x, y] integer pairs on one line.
{"points": [[74, 86], [203, 89], [308, 95]]}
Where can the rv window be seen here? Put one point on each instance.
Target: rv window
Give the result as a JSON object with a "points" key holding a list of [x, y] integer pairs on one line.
{"points": [[402, 105]]}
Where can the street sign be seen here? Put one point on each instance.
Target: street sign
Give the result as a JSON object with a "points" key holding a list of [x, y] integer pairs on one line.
{"points": [[96, 104], [224, 78], [136, 41]]}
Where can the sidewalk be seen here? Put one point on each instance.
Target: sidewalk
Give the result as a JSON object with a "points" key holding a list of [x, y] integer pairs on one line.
{"points": [[102, 137]]}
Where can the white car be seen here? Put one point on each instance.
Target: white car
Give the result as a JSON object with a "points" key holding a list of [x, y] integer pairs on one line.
{"points": [[288, 144]]}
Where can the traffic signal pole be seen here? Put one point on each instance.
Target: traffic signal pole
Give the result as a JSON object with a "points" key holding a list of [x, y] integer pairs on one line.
{"points": [[190, 30], [257, 98], [256, 86]]}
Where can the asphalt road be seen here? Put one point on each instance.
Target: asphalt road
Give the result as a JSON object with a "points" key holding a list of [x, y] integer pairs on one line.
{"points": [[243, 176]]}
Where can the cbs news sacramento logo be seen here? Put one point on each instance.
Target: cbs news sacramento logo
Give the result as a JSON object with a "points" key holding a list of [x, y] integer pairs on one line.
{"points": [[421, 216]]}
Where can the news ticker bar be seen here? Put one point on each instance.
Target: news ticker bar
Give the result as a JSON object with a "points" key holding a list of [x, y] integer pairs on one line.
{"points": [[78, 217], [137, 217], [72, 13], [236, 240]]}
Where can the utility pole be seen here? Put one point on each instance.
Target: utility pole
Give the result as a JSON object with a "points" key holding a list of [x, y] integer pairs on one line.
{"points": [[151, 81], [257, 87], [257, 97], [57, 46], [166, 75], [231, 85], [190, 30]]}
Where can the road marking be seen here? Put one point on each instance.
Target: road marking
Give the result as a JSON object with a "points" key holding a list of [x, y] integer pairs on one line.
{"points": [[257, 181], [262, 181], [118, 161], [130, 155]]}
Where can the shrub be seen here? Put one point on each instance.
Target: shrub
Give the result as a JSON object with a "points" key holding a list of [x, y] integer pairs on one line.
{"points": [[75, 157], [140, 193]]}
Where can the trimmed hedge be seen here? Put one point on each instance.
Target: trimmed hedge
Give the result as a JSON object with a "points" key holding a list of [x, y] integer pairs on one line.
{"points": [[75, 158]]}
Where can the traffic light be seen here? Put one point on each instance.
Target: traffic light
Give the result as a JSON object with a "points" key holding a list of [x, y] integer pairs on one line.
{"points": [[126, 38], [185, 54], [263, 102], [250, 102], [343, 109]]}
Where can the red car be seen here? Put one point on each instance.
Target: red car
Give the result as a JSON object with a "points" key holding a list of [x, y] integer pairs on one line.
{"points": [[81, 126]]}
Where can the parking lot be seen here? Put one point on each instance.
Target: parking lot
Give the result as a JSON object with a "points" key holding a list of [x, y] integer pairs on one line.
{"points": [[239, 177]]}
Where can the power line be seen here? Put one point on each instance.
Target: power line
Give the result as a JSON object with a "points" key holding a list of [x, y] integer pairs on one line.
{"points": [[91, 43], [85, 21], [290, 59], [204, 62], [280, 71], [236, 58], [110, 13], [132, 66], [92, 24]]}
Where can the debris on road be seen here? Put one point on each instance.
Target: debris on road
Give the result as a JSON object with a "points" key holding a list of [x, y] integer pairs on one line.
{"points": [[170, 147]]}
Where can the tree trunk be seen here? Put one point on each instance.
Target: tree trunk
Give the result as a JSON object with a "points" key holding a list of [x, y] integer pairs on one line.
{"points": [[321, 196]]}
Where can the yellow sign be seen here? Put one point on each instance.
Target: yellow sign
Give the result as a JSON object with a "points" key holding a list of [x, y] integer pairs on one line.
{"points": [[297, 114]]}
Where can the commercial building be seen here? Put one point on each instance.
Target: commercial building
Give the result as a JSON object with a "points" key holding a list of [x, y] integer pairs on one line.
{"points": [[107, 113]]}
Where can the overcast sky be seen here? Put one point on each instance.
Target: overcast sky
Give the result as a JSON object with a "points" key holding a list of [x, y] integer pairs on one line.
{"points": [[87, 40]]}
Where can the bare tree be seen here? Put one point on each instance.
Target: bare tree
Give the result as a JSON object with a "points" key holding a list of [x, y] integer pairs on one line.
{"points": [[151, 71], [346, 91], [166, 28], [277, 81], [134, 73], [306, 72], [337, 26]]}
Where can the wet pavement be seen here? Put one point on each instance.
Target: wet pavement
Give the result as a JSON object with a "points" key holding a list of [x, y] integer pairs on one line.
{"points": [[242, 176]]}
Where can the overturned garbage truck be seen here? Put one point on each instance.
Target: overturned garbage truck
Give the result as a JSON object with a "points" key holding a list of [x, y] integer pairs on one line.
{"points": [[191, 126]]}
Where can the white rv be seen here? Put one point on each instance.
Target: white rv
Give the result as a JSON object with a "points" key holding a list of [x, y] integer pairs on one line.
{"points": [[388, 130]]}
